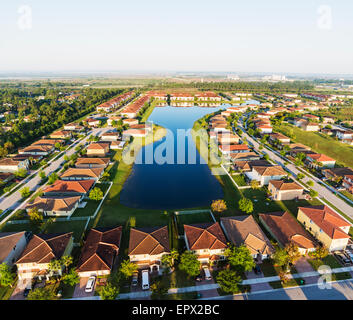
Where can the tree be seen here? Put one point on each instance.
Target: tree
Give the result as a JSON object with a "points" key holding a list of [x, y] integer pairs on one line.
{"points": [[246, 205], [35, 215], [310, 183], [168, 260], [25, 192], [159, 290], [96, 194], [218, 206], [293, 252], [228, 281], [7, 278], [55, 266], [128, 268], [21, 173], [280, 257], [266, 157], [42, 175], [66, 261], [313, 193], [71, 278], [57, 145], [300, 176], [189, 263], [240, 258], [255, 184], [53, 177], [41, 294], [105, 176], [319, 253], [108, 292]]}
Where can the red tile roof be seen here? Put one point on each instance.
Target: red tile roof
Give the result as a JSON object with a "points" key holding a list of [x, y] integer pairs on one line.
{"points": [[327, 220], [205, 236]]}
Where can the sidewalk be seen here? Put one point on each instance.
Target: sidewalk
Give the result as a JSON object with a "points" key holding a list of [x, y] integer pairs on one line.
{"points": [[144, 294]]}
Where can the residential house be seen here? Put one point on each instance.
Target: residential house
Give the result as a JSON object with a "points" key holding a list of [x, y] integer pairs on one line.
{"points": [[147, 246], [130, 121], [92, 122], [110, 136], [228, 138], [282, 190], [40, 250], [243, 156], [344, 134], [247, 165], [264, 174], [63, 134], [138, 133], [63, 188], [12, 244], [337, 173], [55, 205], [314, 160], [41, 150], [99, 252], [11, 165], [348, 182], [100, 149], [206, 240], [243, 230], [233, 148], [92, 162], [274, 137], [326, 226], [285, 229], [82, 174], [310, 126]]}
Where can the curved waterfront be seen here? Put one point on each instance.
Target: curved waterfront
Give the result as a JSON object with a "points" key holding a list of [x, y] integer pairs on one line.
{"points": [[172, 186]]}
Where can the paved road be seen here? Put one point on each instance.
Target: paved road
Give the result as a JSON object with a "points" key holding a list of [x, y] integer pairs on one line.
{"points": [[13, 201], [341, 290], [322, 191]]}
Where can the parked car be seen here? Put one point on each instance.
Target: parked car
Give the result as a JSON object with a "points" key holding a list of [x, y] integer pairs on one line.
{"points": [[26, 292], [257, 269], [207, 273], [349, 255], [135, 279], [342, 258], [198, 277], [145, 280], [90, 284]]}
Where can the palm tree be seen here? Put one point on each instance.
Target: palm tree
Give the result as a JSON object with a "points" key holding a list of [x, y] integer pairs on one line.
{"points": [[66, 261], [55, 266]]}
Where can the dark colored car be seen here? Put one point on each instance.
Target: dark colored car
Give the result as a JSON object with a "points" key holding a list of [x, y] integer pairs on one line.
{"points": [[198, 277], [26, 292], [257, 269]]}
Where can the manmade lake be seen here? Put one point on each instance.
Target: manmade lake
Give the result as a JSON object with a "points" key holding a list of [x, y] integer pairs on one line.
{"points": [[173, 185]]}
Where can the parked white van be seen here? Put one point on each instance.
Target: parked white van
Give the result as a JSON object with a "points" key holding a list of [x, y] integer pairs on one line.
{"points": [[207, 273], [145, 280], [90, 284]]}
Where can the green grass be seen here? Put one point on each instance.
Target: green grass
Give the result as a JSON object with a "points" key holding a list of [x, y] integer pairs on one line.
{"points": [[6, 292], [91, 205], [77, 227], [192, 218], [239, 180], [343, 153], [330, 261]]}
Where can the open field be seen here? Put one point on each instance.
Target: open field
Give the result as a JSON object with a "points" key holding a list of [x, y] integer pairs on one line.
{"points": [[343, 153]]}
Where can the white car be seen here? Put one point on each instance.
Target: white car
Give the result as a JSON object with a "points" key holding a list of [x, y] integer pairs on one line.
{"points": [[90, 284], [207, 273]]}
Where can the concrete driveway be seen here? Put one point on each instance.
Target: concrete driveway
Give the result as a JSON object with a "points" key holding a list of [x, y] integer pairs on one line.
{"points": [[18, 292], [79, 291]]}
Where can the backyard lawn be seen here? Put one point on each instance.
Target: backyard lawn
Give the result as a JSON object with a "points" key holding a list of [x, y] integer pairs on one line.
{"points": [[192, 218], [320, 143]]}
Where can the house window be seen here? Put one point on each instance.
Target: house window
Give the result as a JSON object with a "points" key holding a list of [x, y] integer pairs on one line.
{"points": [[320, 230], [311, 221]]}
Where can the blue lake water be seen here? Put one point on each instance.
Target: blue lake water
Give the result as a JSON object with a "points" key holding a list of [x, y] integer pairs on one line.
{"points": [[172, 186]]}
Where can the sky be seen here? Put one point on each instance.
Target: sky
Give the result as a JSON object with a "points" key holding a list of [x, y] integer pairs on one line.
{"points": [[301, 36]]}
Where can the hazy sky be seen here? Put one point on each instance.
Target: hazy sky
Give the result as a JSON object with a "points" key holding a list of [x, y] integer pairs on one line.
{"points": [[180, 35]]}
